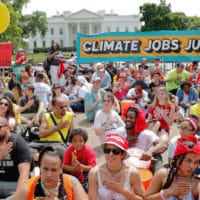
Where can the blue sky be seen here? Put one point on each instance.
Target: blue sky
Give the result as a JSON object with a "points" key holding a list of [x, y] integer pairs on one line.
{"points": [[190, 8]]}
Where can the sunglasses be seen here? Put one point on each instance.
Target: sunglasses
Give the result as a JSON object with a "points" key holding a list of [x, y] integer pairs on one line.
{"points": [[2, 103], [114, 151], [185, 128], [56, 88], [3, 126], [62, 107]]}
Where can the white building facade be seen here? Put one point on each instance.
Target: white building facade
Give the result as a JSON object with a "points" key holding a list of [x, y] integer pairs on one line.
{"points": [[63, 28]]}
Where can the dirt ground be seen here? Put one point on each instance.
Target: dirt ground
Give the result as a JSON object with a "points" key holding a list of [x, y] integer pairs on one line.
{"points": [[94, 142]]}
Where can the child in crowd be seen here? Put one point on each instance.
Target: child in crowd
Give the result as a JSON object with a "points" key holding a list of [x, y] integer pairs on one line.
{"points": [[79, 158]]}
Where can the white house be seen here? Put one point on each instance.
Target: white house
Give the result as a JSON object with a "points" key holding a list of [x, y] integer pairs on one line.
{"points": [[63, 28]]}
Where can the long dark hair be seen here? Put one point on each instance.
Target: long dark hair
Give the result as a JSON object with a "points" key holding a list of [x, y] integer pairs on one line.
{"points": [[10, 111], [51, 151], [174, 167]]}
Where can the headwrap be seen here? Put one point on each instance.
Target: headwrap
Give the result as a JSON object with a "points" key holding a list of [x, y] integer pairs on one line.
{"points": [[183, 149], [140, 121], [192, 122]]}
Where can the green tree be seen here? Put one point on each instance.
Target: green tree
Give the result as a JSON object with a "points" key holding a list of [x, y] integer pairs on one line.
{"points": [[160, 17], [22, 26], [194, 23]]}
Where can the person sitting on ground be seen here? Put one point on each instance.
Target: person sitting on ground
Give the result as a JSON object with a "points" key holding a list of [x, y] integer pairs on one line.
{"points": [[187, 96], [188, 127], [179, 181], [114, 179], [138, 94], [161, 111], [31, 107], [107, 120], [15, 159], [79, 158], [52, 183], [139, 137], [77, 104]]}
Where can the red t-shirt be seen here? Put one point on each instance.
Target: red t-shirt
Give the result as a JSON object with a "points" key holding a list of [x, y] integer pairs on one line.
{"points": [[86, 156], [158, 112], [123, 92], [22, 60]]}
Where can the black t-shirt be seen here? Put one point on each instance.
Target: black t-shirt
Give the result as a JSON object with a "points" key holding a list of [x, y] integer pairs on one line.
{"points": [[19, 154], [34, 108]]}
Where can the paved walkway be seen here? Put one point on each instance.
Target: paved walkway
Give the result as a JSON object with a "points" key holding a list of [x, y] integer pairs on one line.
{"points": [[81, 122]]}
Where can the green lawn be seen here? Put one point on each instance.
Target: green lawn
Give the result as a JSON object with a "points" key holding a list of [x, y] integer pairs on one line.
{"points": [[39, 57]]}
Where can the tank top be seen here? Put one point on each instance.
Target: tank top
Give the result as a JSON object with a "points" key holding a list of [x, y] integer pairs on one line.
{"points": [[104, 193]]}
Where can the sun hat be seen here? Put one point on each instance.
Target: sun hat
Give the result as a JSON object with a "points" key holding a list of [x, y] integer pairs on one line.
{"points": [[117, 140]]}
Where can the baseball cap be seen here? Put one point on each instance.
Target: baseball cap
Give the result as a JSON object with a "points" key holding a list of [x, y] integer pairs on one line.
{"points": [[96, 78], [100, 67], [117, 140]]}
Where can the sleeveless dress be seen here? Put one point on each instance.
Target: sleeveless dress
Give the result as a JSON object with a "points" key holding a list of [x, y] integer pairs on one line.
{"points": [[106, 194]]}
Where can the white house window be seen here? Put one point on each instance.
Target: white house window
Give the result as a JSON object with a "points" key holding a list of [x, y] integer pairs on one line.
{"points": [[74, 30], [52, 31], [117, 29], [61, 31], [35, 44], [85, 30], [108, 29], [95, 30], [126, 29], [43, 43], [61, 43], [52, 41]]}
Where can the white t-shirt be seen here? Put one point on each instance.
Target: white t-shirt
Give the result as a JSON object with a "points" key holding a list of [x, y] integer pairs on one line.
{"points": [[173, 144], [118, 126], [145, 140], [140, 101], [43, 92], [83, 90]]}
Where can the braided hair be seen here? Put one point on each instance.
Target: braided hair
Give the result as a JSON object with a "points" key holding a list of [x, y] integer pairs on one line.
{"points": [[174, 167], [51, 151]]}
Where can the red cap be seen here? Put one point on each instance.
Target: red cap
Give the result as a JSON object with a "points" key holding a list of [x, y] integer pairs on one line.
{"points": [[117, 140]]}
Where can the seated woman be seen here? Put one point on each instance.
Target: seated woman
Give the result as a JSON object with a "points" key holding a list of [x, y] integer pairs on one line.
{"points": [[161, 114], [107, 120], [178, 182], [52, 184], [114, 179], [71, 89]]}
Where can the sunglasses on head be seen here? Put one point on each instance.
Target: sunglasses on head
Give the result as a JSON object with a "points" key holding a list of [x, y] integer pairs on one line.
{"points": [[114, 151], [3, 126], [2, 103], [62, 107]]}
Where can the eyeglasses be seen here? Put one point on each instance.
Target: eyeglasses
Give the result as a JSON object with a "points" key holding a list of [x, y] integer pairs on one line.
{"points": [[62, 107], [2, 103], [114, 151], [56, 88], [3, 126], [186, 128], [106, 100]]}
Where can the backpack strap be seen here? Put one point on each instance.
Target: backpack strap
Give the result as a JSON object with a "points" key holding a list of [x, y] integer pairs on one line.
{"points": [[31, 187], [60, 133]]}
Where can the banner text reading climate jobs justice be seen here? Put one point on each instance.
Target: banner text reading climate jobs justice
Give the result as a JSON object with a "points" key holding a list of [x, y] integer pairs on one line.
{"points": [[133, 46]]}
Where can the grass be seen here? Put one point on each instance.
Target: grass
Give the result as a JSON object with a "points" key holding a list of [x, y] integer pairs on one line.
{"points": [[40, 57]]}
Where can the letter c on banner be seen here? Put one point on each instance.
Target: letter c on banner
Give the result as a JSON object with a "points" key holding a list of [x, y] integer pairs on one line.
{"points": [[4, 17]]}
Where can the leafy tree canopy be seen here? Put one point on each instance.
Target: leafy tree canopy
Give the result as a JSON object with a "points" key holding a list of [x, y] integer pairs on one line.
{"points": [[22, 26], [160, 17]]}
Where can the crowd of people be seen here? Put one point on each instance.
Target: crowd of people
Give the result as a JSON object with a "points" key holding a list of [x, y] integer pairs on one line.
{"points": [[49, 97]]}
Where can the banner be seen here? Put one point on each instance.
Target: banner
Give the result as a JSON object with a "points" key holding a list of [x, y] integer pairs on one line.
{"points": [[17, 69], [133, 46], [5, 55]]}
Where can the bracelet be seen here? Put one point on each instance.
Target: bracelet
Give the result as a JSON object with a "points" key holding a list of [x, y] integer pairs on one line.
{"points": [[162, 195]]}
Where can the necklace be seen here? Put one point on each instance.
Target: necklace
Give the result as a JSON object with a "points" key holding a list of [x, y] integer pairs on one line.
{"points": [[116, 172], [50, 192]]}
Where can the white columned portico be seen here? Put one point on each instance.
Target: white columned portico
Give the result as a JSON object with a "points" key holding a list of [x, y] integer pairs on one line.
{"points": [[90, 28], [78, 27]]}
